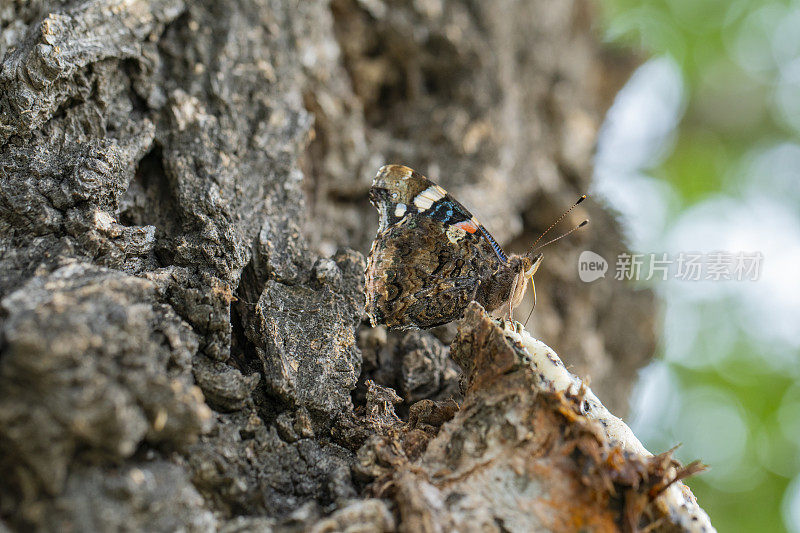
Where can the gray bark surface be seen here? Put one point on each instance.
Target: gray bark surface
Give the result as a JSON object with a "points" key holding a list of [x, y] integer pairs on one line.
{"points": [[183, 218]]}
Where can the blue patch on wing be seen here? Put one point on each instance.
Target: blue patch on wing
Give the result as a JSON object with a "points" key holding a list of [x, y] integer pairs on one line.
{"points": [[446, 212], [449, 212]]}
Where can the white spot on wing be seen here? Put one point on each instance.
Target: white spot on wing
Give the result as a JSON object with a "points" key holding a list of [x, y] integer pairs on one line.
{"points": [[455, 234], [428, 197], [399, 210]]}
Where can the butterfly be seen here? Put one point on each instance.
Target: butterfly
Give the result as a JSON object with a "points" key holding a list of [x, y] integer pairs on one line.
{"points": [[431, 257]]}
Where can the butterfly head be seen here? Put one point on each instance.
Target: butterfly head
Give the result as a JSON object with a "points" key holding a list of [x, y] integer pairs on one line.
{"points": [[527, 267], [531, 265]]}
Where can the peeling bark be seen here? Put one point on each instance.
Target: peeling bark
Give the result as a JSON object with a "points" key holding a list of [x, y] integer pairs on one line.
{"points": [[530, 449]]}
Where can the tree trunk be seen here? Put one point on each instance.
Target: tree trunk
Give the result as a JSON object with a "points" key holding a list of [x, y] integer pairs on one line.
{"points": [[183, 212]]}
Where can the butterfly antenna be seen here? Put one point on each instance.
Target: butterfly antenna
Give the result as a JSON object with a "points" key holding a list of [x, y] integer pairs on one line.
{"points": [[579, 226], [559, 219], [533, 285], [533, 249]]}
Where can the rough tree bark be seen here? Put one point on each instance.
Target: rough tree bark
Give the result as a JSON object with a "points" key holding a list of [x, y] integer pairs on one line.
{"points": [[183, 212]]}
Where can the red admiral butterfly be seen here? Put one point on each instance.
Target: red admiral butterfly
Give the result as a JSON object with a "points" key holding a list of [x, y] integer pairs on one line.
{"points": [[431, 257]]}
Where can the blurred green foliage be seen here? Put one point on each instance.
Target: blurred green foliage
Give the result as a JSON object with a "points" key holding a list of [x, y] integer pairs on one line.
{"points": [[740, 63], [731, 64]]}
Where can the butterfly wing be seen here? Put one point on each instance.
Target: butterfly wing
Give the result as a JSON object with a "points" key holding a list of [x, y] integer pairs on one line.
{"points": [[399, 191], [430, 257]]}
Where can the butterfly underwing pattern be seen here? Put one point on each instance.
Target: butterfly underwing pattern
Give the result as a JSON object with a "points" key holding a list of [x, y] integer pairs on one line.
{"points": [[431, 257]]}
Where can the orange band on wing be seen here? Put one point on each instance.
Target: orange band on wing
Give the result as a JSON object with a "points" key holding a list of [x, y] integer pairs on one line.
{"points": [[467, 226]]}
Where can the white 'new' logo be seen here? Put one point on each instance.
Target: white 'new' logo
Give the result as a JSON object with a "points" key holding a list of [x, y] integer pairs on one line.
{"points": [[591, 266]]}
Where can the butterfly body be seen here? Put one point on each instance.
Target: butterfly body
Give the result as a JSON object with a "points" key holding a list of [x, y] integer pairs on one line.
{"points": [[431, 257]]}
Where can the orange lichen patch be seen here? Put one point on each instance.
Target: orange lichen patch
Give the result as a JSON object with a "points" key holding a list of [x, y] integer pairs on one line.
{"points": [[575, 515], [615, 459], [567, 505], [223, 291], [567, 407]]}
